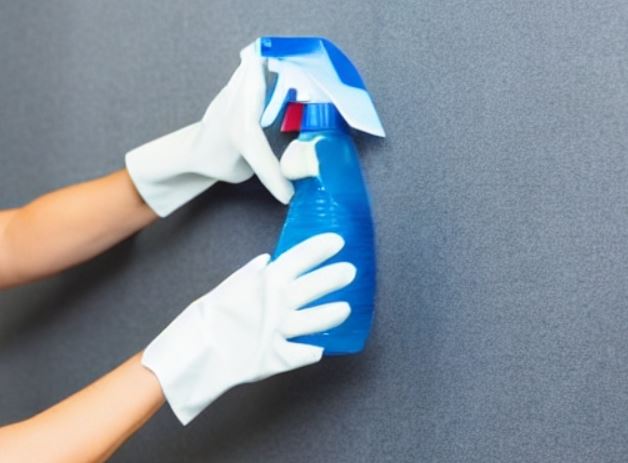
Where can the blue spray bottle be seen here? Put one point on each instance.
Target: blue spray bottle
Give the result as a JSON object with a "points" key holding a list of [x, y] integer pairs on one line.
{"points": [[321, 95]]}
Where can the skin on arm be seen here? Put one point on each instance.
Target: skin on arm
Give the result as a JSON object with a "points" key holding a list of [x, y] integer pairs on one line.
{"points": [[89, 425], [69, 226], [56, 231]]}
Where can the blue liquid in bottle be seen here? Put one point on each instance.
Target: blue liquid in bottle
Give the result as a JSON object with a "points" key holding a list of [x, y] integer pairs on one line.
{"points": [[335, 201]]}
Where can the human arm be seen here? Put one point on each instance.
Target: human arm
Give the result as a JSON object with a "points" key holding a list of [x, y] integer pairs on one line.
{"points": [[89, 425], [237, 333], [69, 226], [73, 224]]}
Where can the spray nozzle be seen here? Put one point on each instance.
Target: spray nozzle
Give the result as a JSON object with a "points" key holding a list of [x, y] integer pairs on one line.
{"points": [[314, 70]]}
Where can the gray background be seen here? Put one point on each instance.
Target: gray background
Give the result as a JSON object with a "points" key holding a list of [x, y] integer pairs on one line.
{"points": [[501, 205]]}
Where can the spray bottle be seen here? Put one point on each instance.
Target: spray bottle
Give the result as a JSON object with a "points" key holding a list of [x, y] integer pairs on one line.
{"points": [[321, 95]]}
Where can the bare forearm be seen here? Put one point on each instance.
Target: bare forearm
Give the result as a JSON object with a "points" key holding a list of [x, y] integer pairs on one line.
{"points": [[69, 226], [90, 425]]}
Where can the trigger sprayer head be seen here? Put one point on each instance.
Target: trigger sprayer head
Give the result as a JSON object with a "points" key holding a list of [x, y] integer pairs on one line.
{"points": [[314, 70]]}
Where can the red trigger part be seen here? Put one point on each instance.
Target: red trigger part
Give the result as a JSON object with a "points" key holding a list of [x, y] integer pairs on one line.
{"points": [[292, 117]]}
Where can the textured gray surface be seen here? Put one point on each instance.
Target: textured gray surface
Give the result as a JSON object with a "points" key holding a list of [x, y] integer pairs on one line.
{"points": [[501, 205]]}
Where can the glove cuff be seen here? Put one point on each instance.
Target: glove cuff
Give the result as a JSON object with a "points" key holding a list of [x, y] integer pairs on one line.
{"points": [[179, 358], [161, 174]]}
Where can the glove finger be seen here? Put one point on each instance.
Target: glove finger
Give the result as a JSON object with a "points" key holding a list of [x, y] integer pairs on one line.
{"points": [[255, 265], [241, 277], [297, 355], [319, 283], [316, 319], [253, 85], [227, 94], [307, 254], [264, 163], [253, 143], [249, 52]]}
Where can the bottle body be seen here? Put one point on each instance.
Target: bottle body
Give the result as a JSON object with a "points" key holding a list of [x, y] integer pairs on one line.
{"points": [[337, 201]]}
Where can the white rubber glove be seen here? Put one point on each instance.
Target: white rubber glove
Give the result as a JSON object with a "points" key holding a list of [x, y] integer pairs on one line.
{"points": [[228, 145], [238, 332]]}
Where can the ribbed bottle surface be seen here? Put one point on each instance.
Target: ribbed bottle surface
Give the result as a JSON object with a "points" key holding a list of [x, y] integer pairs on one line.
{"points": [[337, 201]]}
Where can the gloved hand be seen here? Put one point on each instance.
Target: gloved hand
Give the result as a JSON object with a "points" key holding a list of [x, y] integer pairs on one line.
{"points": [[238, 332], [227, 145]]}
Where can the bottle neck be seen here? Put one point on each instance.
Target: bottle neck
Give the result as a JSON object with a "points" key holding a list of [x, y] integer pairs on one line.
{"points": [[314, 117]]}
